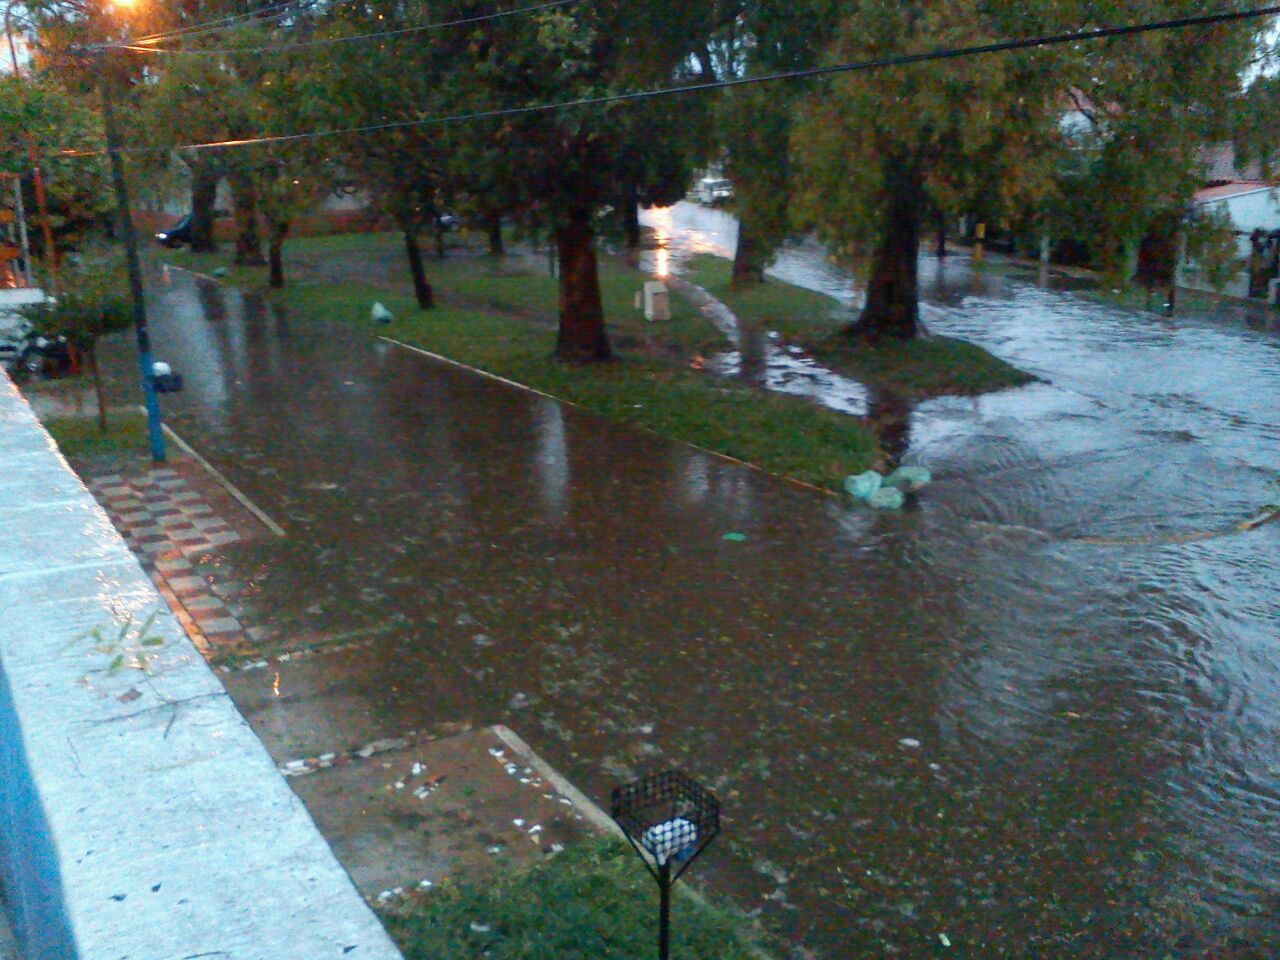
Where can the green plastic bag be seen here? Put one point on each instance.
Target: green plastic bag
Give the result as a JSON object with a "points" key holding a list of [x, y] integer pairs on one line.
{"points": [[887, 498], [864, 485]]}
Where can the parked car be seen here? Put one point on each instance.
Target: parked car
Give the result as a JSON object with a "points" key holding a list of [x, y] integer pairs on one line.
{"points": [[15, 342], [713, 191], [176, 235]]}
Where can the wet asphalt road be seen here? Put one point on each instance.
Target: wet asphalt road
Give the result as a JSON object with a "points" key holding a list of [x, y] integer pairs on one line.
{"points": [[1026, 717]]}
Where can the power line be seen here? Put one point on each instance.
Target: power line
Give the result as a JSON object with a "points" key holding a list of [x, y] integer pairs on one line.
{"points": [[329, 41], [947, 53]]}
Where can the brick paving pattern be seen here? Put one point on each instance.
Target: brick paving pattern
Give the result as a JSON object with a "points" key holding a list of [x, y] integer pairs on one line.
{"points": [[172, 528]]}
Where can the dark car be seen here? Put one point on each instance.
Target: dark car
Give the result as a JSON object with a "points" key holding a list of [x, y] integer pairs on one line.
{"points": [[176, 235]]}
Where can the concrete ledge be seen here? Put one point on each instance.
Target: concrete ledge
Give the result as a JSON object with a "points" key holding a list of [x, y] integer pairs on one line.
{"points": [[140, 817]]}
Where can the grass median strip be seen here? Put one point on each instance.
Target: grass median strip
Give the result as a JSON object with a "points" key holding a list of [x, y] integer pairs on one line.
{"points": [[500, 318], [79, 437], [917, 369], [593, 900]]}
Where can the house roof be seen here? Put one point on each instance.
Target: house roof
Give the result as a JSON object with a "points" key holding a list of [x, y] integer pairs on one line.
{"points": [[1234, 189], [1219, 160]]}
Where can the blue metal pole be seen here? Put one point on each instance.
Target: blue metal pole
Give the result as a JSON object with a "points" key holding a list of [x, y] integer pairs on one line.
{"points": [[155, 429]]}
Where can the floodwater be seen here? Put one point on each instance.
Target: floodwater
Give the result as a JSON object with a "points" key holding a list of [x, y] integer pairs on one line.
{"points": [[1036, 716]]}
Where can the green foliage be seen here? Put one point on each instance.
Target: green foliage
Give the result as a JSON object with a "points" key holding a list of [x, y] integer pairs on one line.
{"points": [[41, 114], [1211, 245], [93, 302], [132, 645], [754, 125], [565, 159], [1257, 126], [594, 900]]}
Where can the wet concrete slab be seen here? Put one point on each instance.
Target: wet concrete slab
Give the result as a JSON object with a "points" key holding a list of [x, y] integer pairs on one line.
{"points": [[468, 805]]}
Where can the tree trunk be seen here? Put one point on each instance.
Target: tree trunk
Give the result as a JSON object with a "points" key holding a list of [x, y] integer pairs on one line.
{"points": [[747, 266], [893, 306], [421, 289], [631, 218], [940, 247], [440, 253], [91, 358], [248, 237], [204, 195], [494, 226], [275, 254], [582, 335]]}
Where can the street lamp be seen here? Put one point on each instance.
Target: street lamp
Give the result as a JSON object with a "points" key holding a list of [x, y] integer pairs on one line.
{"points": [[669, 819]]}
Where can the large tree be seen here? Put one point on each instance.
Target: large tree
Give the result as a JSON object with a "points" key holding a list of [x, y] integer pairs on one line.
{"points": [[880, 149], [754, 123], [407, 169], [565, 163]]}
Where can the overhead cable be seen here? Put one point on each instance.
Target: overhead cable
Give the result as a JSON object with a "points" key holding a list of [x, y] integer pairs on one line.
{"points": [[330, 41], [946, 53]]}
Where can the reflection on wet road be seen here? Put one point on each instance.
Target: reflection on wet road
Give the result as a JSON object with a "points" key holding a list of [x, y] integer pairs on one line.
{"points": [[958, 722]]}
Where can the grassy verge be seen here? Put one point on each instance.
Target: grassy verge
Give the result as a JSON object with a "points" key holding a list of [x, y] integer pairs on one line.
{"points": [[916, 369], [592, 901], [79, 437], [499, 317]]}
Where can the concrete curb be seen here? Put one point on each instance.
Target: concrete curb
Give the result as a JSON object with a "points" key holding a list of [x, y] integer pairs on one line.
{"points": [[813, 488], [139, 814]]}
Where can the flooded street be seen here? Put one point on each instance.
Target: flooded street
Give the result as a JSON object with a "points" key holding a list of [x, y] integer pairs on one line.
{"points": [[1036, 717]]}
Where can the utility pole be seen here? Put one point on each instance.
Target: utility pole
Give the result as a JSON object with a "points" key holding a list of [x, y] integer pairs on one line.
{"points": [[51, 255], [124, 217]]}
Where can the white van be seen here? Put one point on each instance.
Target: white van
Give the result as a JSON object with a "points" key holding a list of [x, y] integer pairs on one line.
{"points": [[13, 333], [713, 191]]}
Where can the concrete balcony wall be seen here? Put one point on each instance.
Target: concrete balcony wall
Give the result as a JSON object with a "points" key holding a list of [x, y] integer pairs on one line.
{"points": [[139, 814]]}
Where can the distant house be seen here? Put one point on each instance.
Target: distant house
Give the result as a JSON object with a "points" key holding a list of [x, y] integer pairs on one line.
{"points": [[1251, 205]]}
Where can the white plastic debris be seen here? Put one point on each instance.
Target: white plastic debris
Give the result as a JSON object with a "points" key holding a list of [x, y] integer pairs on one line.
{"points": [[944, 940], [161, 369], [911, 743], [480, 927], [518, 822], [380, 314], [418, 769], [496, 753], [425, 884], [669, 838], [399, 784]]}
